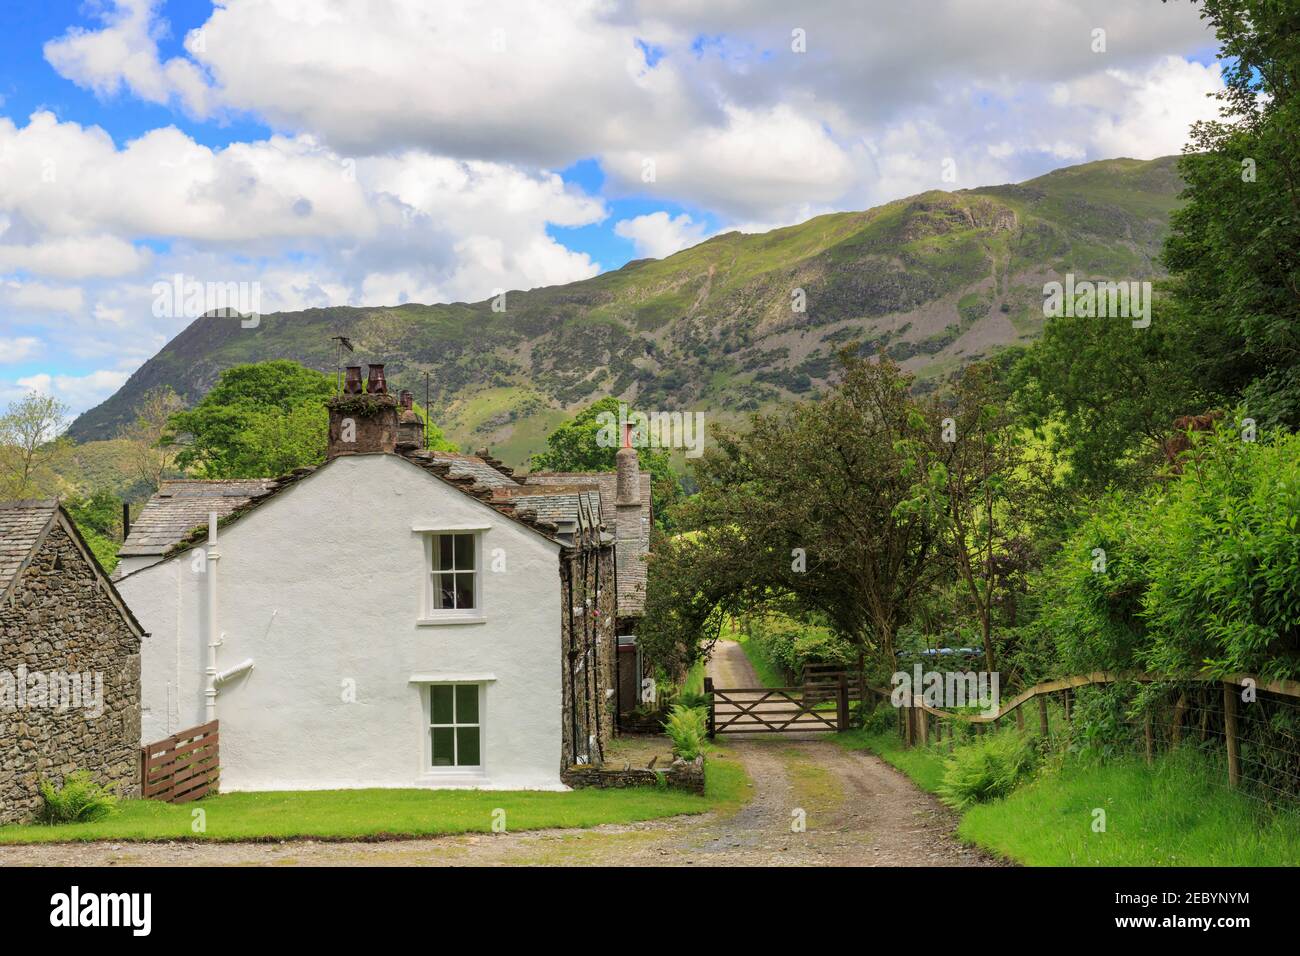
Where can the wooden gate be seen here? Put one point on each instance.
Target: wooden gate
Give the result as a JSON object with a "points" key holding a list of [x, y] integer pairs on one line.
{"points": [[183, 767], [770, 710]]}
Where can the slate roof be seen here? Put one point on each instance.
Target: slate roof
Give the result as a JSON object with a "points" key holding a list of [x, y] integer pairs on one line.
{"points": [[632, 531], [181, 505], [22, 525]]}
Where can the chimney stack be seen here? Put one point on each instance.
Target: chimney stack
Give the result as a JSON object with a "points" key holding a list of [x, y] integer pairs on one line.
{"points": [[410, 430], [363, 424], [628, 482]]}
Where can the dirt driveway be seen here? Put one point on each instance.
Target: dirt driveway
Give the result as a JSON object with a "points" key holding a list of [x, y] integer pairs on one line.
{"points": [[855, 810]]}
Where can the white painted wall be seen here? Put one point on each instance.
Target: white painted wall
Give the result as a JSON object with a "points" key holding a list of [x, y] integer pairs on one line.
{"points": [[324, 583]]}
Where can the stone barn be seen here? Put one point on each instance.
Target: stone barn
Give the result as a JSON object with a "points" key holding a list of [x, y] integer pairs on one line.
{"points": [[69, 662]]}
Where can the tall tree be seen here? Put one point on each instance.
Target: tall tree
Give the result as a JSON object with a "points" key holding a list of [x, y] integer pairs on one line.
{"points": [[969, 489], [152, 454], [808, 506], [30, 444], [1234, 246]]}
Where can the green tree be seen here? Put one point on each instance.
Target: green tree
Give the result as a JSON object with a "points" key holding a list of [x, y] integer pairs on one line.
{"points": [[1234, 246], [259, 420], [808, 507], [576, 445], [151, 455], [31, 447]]}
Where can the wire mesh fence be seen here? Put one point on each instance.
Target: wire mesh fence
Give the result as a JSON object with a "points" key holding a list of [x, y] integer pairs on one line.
{"points": [[1248, 735]]}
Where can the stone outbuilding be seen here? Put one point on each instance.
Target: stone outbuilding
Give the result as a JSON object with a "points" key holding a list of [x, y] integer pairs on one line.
{"points": [[69, 662]]}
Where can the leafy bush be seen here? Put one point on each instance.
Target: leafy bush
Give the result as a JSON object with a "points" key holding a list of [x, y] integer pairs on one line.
{"points": [[80, 800], [790, 643], [687, 726], [986, 769], [1201, 572]]}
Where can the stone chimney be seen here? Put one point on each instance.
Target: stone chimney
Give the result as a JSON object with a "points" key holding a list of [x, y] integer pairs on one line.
{"points": [[628, 484], [363, 423], [410, 430]]}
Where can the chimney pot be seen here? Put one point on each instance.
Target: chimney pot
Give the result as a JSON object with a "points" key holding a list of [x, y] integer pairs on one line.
{"points": [[376, 384], [352, 380], [408, 400]]}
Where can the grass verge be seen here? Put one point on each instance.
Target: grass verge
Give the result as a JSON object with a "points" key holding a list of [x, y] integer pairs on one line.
{"points": [[386, 814], [1177, 812]]}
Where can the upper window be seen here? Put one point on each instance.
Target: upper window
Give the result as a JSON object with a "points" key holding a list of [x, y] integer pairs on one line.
{"points": [[454, 575]]}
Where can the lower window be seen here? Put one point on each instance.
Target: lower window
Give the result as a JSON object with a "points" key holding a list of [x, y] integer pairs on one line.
{"points": [[454, 726]]}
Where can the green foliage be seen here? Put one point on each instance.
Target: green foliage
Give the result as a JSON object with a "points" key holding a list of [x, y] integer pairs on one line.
{"points": [[790, 643], [259, 420], [1234, 247], [804, 509], [687, 727], [79, 800], [986, 769], [98, 517], [1203, 573]]}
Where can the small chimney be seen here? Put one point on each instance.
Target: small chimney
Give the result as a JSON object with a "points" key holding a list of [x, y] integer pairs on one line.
{"points": [[352, 382], [410, 430], [628, 482], [376, 384]]}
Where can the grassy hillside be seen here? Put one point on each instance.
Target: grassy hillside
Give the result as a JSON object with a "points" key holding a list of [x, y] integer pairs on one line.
{"points": [[937, 280]]}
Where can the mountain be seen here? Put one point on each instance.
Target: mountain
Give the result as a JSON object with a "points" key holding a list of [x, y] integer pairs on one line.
{"points": [[937, 280]]}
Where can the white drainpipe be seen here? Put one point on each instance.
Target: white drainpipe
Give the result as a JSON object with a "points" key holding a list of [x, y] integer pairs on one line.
{"points": [[214, 636]]}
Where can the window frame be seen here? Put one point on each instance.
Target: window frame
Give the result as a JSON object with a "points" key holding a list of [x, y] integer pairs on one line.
{"points": [[430, 613], [477, 769]]}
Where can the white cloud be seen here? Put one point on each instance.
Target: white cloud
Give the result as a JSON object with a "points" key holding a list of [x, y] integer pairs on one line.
{"points": [[658, 235], [20, 349], [78, 391], [41, 297]]}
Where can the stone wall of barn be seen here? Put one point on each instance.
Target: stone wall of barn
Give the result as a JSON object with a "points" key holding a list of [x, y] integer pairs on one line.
{"points": [[61, 622], [590, 680]]}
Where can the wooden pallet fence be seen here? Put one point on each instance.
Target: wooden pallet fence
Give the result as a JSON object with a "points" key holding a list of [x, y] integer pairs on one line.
{"points": [[183, 767]]}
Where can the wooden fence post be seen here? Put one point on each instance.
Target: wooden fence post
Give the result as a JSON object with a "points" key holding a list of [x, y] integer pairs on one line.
{"points": [[924, 727], [908, 721], [1020, 720], [842, 704], [708, 690], [1150, 739], [1230, 732], [1065, 700], [1042, 717]]}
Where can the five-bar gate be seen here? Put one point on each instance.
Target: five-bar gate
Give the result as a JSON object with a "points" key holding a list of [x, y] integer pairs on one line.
{"points": [[767, 710]]}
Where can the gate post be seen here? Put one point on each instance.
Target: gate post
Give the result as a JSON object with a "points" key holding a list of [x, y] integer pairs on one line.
{"points": [[708, 690], [1230, 733], [842, 704]]}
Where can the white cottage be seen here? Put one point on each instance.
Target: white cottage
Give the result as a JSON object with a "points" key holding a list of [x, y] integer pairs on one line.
{"points": [[392, 618]]}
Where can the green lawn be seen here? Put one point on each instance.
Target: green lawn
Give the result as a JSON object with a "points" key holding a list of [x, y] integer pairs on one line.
{"points": [[1175, 813], [370, 814]]}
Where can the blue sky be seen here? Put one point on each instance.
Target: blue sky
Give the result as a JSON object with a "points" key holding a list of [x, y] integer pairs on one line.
{"points": [[329, 156]]}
